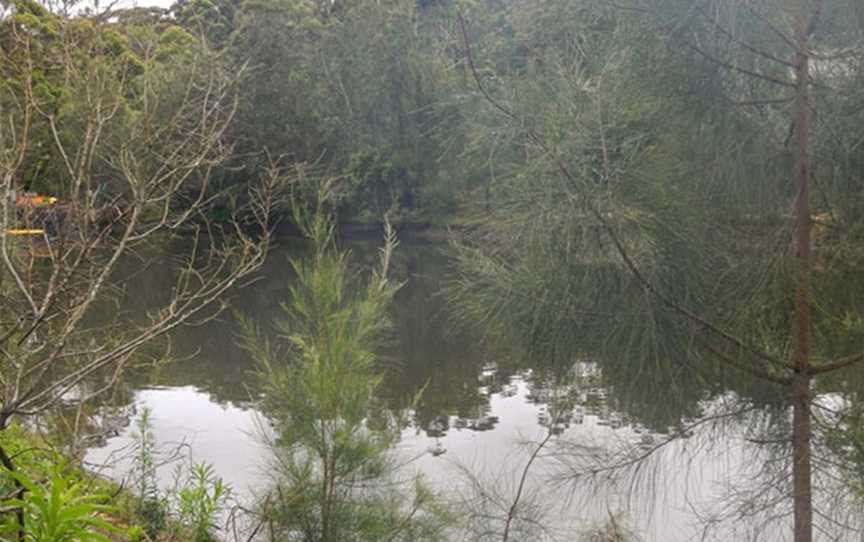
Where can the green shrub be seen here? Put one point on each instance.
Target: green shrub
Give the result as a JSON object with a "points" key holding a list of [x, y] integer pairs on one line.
{"points": [[59, 511], [335, 478], [199, 499], [190, 509]]}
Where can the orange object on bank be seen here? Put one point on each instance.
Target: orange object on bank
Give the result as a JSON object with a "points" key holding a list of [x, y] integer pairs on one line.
{"points": [[35, 200]]}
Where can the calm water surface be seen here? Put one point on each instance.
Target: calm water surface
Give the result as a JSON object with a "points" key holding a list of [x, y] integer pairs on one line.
{"points": [[479, 407]]}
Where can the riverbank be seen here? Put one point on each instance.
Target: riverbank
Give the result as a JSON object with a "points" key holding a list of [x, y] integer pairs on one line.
{"points": [[54, 494]]}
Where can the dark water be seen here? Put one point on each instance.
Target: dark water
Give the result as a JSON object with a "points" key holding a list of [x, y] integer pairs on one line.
{"points": [[479, 407]]}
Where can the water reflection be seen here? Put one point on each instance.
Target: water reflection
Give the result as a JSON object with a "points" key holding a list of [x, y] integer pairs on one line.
{"points": [[483, 402], [189, 425], [422, 353]]}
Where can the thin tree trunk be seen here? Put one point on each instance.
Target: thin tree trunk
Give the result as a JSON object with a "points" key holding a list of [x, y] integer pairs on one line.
{"points": [[325, 500], [801, 468], [801, 430], [511, 512]]}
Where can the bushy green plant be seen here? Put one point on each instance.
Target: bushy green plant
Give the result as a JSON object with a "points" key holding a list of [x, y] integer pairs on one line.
{"points": [[200, 497], [27, 452], [136, 533], [60, 510], [334, 475], [189, 510]]}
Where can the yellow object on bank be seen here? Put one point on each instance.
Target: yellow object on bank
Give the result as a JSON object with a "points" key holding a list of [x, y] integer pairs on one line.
{"points": [[25, 232]]}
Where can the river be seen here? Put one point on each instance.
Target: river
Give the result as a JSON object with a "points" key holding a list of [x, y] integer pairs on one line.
{"points": [[480, 406]]}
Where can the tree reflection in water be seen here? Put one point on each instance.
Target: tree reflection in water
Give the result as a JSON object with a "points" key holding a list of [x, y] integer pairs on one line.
{"points": [[676, 450]]}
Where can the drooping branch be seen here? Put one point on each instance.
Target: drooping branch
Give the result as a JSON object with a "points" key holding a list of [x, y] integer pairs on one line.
{"points": [[836, 364], [751, 369], [610, 467], [739, 69], [629, 263], [746, 46], [512, 511]]}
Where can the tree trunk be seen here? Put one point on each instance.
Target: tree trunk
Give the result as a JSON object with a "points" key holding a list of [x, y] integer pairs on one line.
{"points": [[801, 469], [801, 431]]}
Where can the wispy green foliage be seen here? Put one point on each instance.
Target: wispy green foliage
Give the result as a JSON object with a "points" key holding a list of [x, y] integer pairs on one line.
{"points": [[188, 510], [646, 220], [613, 530], [200, 498], [334, 475], [150, 505]]}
